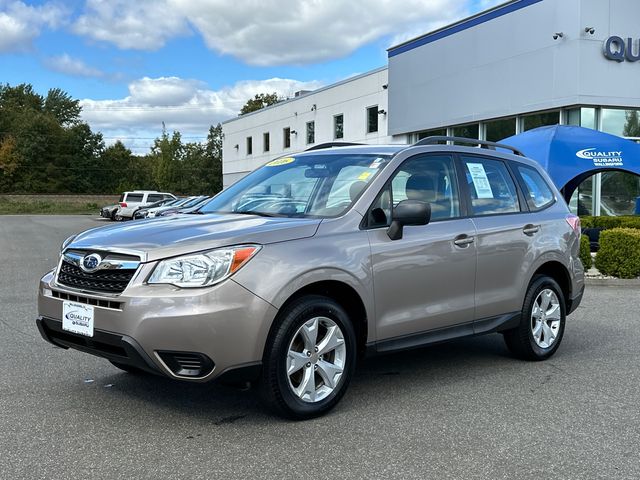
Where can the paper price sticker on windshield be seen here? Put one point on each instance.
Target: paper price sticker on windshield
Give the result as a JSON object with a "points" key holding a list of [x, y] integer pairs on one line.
{"points": [[364, 175], [280, 161], [376, 163], [480, 180]]}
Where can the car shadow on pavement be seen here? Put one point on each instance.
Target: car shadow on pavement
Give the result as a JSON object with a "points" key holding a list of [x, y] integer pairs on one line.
{"points": [[218, 404]]}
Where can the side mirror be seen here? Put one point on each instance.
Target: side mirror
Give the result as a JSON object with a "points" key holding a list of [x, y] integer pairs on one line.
{"points": [[408, 212]]}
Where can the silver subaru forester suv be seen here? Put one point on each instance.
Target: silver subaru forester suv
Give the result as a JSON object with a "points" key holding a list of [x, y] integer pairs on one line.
{"points": [[290, 275]]}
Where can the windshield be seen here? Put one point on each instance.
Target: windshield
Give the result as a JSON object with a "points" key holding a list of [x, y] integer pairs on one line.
{"points": [[306, 186]]}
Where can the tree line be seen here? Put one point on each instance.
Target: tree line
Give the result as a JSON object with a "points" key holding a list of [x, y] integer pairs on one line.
{"points": [[45, 147]]}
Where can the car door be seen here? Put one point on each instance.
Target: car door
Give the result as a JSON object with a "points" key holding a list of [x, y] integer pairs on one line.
{"points": [[504, 234], [425, 280]]}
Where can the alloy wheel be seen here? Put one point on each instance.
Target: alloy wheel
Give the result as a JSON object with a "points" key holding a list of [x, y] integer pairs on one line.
{"points": [[545, 318], [316, 359]]}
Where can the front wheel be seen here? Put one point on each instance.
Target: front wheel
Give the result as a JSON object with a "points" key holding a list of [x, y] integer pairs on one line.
{"points": [[309, 358], [542, 322]]}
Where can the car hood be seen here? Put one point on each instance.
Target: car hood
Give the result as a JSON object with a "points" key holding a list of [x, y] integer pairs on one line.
{"points": [[181, 234]]}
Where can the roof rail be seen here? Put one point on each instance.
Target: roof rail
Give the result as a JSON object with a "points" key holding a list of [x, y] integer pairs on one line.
{"points": [[331, 145], [468, 141]]}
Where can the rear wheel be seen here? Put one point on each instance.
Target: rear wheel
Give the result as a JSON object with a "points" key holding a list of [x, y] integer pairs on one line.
{"points": [[542, 322], [309, 359]]}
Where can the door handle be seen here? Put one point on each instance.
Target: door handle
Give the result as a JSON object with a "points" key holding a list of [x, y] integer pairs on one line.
{"points": [[531, 229], [463, 240]]}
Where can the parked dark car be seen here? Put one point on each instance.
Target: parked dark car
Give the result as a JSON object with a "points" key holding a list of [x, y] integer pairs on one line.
{"points": [[141, 212], [186, 208], [109, 211]]}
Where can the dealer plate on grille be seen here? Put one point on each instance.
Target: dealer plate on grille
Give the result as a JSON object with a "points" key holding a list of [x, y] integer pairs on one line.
{"points": [[77, 318]]}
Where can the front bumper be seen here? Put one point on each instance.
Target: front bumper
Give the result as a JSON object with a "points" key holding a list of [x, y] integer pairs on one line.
{"points": [[225, 323]]}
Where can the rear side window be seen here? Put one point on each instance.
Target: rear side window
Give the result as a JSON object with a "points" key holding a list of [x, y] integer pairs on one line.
{"points": [[538, 192], [134, 197], [492, 189], [154, 197]]}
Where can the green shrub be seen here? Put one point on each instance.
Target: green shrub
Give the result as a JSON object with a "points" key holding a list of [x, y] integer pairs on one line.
{"points": [[619, 253], [585, 252], [586, 222], [626, 221]]}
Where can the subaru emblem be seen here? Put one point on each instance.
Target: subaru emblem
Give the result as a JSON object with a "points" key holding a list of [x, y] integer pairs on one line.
{"points": [[91, 262]]}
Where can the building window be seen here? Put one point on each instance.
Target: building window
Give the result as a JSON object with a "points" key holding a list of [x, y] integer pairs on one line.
{"points": [[624, 123], [311, 132], [338, 126], [265, 141], [249, 145], [582, 117], [499, 129], [286, 137], [438, 132], [372, 119], [540, 120], [467, 131]]}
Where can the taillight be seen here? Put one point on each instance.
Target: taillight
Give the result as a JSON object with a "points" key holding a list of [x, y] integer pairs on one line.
{"points": [[123, 204], [574, 222]]}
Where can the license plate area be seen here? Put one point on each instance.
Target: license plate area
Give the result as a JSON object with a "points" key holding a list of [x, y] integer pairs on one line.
{"points": [[77, 318]]}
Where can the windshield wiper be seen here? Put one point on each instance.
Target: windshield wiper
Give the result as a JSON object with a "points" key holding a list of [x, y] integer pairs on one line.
{"points": [[254, 212]]}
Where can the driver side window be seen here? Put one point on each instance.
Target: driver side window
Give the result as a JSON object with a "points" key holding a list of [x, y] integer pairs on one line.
{"points": [[428, 178]]}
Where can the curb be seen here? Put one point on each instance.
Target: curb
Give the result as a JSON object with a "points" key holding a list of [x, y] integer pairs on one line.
{"points": [[612, 282]]}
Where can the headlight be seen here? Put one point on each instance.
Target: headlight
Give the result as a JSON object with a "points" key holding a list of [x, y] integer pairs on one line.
{"points": [[203, 269], [66, 243]]}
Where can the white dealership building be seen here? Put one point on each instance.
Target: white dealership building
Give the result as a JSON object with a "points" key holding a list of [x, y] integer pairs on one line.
{"points": [[518, 66]]}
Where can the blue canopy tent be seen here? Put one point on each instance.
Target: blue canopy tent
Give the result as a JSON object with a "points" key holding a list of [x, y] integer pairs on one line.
{"points": [[572, 154]]}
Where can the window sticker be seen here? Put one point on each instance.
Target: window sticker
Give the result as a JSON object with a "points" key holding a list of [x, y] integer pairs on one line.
{"points": [[480, 180], [376, 163], [280, 161], [364, 175]]}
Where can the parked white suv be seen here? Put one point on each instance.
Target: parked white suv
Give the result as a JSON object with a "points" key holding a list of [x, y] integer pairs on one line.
{"points": [[130, 201]]}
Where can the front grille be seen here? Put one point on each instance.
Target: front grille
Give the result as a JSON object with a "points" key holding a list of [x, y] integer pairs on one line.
{"points": [[87, 301], [187, 364], [108, 281]]}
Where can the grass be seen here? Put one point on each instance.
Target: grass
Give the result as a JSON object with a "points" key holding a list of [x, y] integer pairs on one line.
{"points": [[54, 204]]}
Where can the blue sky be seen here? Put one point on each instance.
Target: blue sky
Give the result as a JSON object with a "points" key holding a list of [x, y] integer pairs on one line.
{"points": [[192, 63]]}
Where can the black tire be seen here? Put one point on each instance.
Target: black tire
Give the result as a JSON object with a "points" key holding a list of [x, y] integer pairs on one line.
{"points": [[520, 340], [128, 368], [113, 215], [274, 383]]}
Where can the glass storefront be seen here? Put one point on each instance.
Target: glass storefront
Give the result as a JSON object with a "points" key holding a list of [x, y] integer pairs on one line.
{"points": [[624, 123], [499, 129], [581, 202], [438, 132], [618, 193], [529, 122], [582, 117], [467, 131]]}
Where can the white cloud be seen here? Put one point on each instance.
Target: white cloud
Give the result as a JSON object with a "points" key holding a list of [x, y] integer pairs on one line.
{"points": [[135, 25], [185, 105], [269, 32], [72, 66], [300, 32], [21, 23]]}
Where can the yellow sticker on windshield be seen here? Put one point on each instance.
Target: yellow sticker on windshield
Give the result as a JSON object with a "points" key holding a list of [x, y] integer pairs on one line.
{"points": [[280, 161], [364, 175]]}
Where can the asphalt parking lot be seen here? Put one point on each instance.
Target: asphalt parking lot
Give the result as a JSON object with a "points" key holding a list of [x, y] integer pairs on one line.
{"points": [[458, 410]]}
